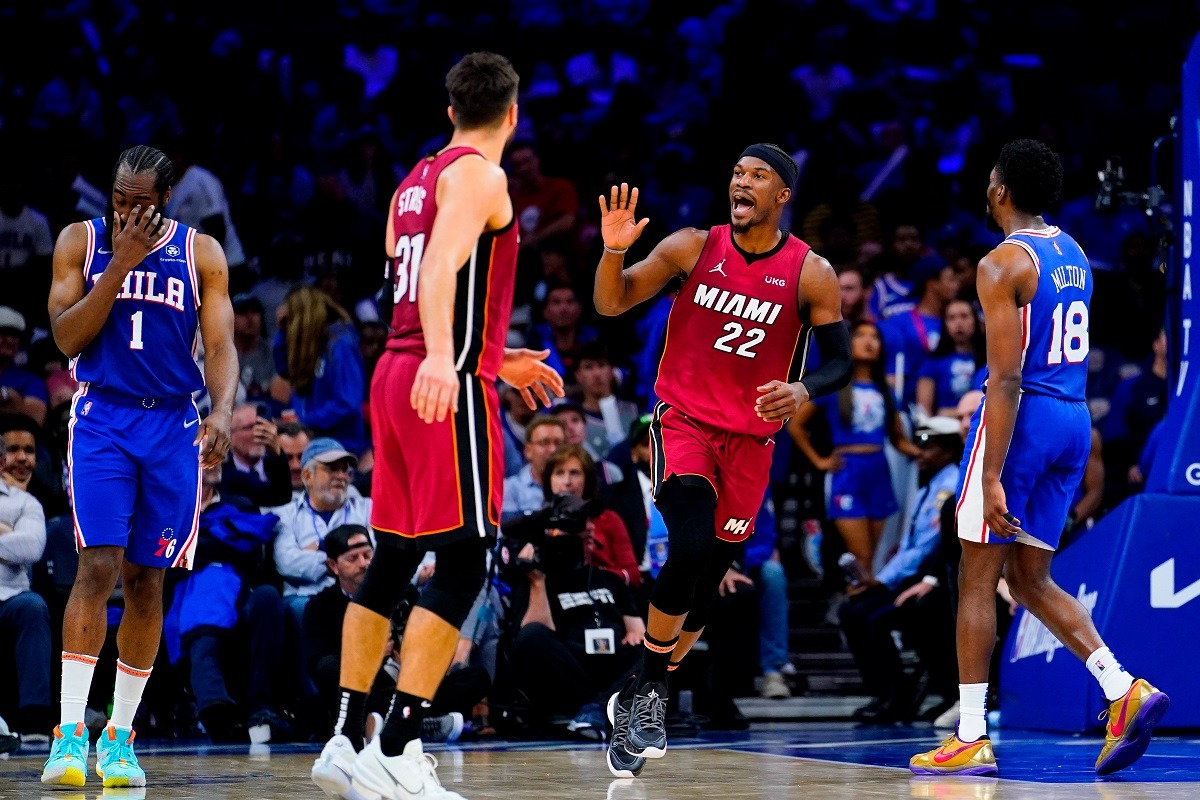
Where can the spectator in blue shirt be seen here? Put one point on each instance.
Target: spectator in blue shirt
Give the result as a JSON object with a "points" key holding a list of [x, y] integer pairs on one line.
{"points": [[317, 351], [910, 337], [949, 372]]}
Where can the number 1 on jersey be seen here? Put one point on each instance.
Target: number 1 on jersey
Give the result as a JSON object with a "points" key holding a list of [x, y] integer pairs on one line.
{"points": [[1070, 334], [135, 342]]}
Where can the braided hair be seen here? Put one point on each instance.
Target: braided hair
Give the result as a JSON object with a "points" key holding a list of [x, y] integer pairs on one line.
{"points": [[137, 160]]}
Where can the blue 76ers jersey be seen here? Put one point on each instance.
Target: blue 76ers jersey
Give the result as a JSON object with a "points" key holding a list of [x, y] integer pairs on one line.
{"points": [[1055, 323], [147, 347]]}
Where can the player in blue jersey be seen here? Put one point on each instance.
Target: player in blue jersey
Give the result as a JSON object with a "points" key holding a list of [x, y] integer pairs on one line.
{"points": [[133, 293], [1025, 455]]}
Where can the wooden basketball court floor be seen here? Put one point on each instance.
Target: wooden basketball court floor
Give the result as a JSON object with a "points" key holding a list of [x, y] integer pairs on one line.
{"points": [[770, 762]]}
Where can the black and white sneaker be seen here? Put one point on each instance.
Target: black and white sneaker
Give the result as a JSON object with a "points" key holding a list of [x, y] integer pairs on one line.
{"points": [[620, 763], [647, 726]]}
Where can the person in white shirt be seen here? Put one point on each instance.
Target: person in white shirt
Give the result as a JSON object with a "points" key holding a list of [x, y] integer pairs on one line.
{"points": [[198, 200]]}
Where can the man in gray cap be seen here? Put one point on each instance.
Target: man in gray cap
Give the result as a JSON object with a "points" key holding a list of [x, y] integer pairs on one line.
{"points": [[328, 469], [21, 392]]}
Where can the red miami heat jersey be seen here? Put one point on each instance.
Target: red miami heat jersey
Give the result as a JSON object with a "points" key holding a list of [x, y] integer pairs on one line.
{"points": [[484, 297], [734, 327]]}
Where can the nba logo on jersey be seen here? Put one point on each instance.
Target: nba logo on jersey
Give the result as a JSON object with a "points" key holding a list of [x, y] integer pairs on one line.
{"points": [[1057, 249], [87, 407]]}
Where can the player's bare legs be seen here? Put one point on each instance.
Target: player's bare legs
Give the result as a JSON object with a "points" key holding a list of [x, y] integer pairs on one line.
{"points": [[141, 625], [979, 575], [85, 621], [1029, 580]]}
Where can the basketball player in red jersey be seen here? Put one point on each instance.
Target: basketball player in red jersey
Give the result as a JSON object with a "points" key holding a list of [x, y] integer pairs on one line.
{"points": [[435, 418], [732, 337]]}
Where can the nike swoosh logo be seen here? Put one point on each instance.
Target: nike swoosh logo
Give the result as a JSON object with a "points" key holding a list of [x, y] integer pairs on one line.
{"points": [[420, 790], [1118, 728], [942, 756], [103, 252], [190, 424]]}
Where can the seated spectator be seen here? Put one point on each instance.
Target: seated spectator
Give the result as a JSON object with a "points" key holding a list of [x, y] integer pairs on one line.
{"points": [[21, 440], [348, 552], [633, 498], [228, 619], [1138, 404], [21, 392], [764, 567], [949, 372], [24, 615], [523, 492], [304, 523], [256, 363], [293, 439], [891, 292], [872, 611], [572, 471], [574, 420], [545, 208], [579, 637], [514, 423], [256, 467], [608, 417], [316, 351], [854, 295], [561, 331]]}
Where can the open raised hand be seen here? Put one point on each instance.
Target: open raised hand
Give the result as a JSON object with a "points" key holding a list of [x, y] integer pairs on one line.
{"points": [[617, 226]]}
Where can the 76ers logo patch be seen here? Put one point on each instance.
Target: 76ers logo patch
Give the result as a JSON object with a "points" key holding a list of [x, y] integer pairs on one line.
{"points": [[166, 543]]}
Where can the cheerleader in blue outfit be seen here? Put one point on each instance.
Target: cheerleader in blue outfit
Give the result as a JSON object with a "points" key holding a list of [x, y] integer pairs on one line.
{"points": [[861, 417]]}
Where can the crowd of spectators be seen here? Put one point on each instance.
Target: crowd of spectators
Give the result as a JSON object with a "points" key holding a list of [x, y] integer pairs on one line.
{"points": [[894, 138]]}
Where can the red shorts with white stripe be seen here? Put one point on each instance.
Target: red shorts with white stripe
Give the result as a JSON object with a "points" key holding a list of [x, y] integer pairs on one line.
{"points": [[441, 481], [1051, 441], [736, 465]]}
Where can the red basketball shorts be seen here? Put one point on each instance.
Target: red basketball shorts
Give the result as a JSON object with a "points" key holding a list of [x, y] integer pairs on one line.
{"points": [[439, 481], [736, 465]]}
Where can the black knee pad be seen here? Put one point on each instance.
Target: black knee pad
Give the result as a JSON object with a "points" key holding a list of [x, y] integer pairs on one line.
{"points": [[722, 558], [460, 574], [689, 510], [391, 571]]}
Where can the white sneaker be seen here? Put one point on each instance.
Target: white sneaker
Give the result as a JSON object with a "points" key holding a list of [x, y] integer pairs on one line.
{"points": [[412, 775], [331, 771], [948, 719], [774, 687]]}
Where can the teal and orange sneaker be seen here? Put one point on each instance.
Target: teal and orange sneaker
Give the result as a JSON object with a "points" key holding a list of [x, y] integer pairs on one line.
{"points": [[956, 757], [67, 764], [115, 762], [1131, 722]]}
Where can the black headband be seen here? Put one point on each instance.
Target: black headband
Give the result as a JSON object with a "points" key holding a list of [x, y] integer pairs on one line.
{"points": [[779, 161]]}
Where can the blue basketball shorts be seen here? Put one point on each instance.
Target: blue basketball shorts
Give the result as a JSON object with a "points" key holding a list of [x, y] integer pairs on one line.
{"points": [[135, 476], [862, 488], [1046, 459]]}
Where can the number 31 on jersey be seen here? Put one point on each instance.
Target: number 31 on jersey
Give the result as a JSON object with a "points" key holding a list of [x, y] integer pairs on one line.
{"points": [[408, 265]]}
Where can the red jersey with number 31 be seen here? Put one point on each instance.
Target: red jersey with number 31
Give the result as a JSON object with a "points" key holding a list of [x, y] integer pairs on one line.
{"points": [[735, 326], [484, 296]]}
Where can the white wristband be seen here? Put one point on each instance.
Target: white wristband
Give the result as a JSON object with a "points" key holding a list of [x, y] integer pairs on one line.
{"points": [[931, 580], [608, 249]]}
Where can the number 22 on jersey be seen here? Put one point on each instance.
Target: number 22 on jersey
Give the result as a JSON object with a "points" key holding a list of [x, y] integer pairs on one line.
{"points": [[408, 265]]}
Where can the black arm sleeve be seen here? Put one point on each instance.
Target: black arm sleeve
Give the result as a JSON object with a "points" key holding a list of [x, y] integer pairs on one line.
{"points": [[833, 340]]}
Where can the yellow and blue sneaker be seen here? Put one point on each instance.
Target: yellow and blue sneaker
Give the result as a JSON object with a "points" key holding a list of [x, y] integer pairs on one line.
{"points": [[956, 757], [1131, 722], [115, 762], [67, 764]]}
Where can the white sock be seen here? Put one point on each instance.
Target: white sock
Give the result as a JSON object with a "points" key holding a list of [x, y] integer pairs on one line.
{"points": [[77, 672], [127, 696], [972, 711], [1114, 680]]}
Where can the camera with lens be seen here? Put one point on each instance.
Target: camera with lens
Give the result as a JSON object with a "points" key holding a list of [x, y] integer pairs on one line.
{"points": [[554, 533]]}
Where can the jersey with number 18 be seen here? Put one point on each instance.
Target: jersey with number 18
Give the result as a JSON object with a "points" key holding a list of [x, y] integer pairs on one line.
{"points": [[147, 347]]}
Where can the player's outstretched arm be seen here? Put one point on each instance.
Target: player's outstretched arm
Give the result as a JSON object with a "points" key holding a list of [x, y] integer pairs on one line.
{"points": [[1001, 275], [619, 289], [76, 316], [820, 293], [220, 357], [527, 372], [472, 196]]}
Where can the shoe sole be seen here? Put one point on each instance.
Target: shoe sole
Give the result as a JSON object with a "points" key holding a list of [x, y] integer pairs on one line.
{"points": [[333, 782], [982, 770], [1141, 728], [649, 752], [64, 776]]}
